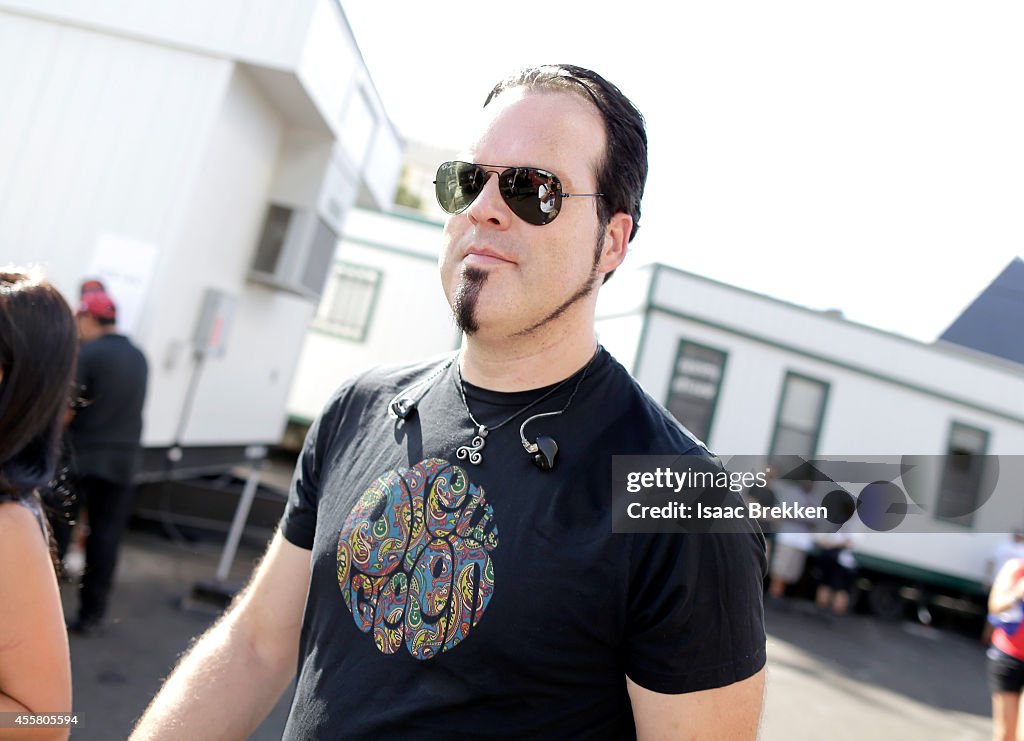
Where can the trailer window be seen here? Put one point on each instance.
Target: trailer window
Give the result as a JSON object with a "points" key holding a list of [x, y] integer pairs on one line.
{"points": [[962, 474], [349, 300], [696, 381], [799, 417]]}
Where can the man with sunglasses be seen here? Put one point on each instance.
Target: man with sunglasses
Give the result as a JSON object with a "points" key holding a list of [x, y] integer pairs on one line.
{"points": [[436, 573]]}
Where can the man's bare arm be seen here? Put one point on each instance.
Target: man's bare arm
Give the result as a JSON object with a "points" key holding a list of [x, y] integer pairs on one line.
{"points": [[731, 713], [230, 679]]}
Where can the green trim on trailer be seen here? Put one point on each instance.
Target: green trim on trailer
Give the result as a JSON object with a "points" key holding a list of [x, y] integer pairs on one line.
{"points": [[862, 370], [920, 574]]}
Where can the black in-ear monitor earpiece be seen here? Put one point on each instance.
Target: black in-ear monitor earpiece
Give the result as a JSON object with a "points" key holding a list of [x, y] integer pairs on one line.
{"points": [[544, 450], [402, 407], [404, 403]]}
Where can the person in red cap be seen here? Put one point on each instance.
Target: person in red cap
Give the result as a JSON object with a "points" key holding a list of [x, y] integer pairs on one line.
{"points": [[104, 440], [96, 313], [92, 285]]}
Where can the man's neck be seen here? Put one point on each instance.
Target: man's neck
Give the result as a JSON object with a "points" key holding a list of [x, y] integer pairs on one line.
{"points": [[103, 331], [519, 364]]}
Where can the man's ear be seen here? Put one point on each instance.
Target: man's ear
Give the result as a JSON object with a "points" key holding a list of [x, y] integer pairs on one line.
{"points": [[616, 242]]}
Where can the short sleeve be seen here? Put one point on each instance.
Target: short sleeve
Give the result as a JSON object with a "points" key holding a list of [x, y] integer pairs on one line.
{"points": [[695, 610], [298, 524]]}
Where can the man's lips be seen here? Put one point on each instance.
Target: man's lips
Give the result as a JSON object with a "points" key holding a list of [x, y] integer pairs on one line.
{"points": [[482, 257]]}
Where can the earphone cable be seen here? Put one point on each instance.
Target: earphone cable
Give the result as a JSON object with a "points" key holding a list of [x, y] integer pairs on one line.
{"points": [[531, 405]]}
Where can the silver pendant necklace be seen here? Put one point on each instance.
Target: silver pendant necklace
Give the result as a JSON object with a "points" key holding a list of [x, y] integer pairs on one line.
{"points": [[474, 450]]}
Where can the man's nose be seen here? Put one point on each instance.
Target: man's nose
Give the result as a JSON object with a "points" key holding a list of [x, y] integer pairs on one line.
{"points": [[489, 206]]}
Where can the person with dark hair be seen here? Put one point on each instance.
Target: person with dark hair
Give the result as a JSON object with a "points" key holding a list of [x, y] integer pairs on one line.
{"points": [[437, 574], [91, 285], [37, 360], [104, 440]]}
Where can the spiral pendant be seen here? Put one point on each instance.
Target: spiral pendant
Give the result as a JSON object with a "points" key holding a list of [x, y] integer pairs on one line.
{"points": [[472, 451]]}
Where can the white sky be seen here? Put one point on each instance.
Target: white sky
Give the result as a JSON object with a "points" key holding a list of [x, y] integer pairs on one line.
{"points": [[863, 156]]}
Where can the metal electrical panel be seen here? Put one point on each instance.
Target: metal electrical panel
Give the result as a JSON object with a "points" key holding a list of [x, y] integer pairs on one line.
{"points": [[214, 324]]}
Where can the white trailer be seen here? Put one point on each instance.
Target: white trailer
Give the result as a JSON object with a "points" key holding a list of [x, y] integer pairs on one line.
{"points": [[760, 377], [384, 305], [202, 159]]}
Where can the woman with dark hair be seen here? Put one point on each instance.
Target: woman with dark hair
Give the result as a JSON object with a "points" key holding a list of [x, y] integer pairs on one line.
{"points": [[38, 343]]}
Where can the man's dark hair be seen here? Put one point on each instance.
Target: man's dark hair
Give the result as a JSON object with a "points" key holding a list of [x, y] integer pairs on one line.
{"points": [[622, 172]]}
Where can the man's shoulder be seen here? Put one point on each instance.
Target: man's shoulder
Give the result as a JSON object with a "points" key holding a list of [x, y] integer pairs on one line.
{"points": [[648, 427], [111, 345], [384, 378], [136, 353], [387, 381]]}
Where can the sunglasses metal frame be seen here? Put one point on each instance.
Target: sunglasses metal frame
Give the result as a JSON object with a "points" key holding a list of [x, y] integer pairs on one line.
{"points": [[503, 170]]}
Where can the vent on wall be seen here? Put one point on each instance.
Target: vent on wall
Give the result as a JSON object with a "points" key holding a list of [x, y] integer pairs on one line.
{"points": [[294, 251]]}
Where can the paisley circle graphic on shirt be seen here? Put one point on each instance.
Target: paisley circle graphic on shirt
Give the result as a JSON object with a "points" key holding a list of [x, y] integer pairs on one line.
{"points": [[414, 561]]}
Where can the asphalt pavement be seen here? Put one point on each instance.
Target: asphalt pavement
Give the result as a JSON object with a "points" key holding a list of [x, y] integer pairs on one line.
{"points": [[152, 620], [856, 678]]}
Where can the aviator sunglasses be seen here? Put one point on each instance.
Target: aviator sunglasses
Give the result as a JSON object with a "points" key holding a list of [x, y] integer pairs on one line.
{"points": [[532, 194]]}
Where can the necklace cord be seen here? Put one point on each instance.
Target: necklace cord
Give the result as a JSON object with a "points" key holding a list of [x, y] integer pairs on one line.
{"points": [[473, 451], [532, 447], [402, 396], [528, 407], [484, 429]]}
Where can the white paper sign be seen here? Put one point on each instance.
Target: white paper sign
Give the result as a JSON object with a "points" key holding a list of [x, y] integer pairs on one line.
{"points": [[125, 266]]}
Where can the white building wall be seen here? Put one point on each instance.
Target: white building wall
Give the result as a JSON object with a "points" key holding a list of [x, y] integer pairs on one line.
{"points": [[887, 396], [945, 371], [331, 69], [268, 32], [329, 56], [411, 321], [106, 135], [865, 413], [385, 166], [241, 395], [747, 399], [100, 136], [308, 38]]}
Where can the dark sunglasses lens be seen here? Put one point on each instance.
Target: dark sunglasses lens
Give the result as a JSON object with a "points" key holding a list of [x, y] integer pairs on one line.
{"points": [[533, 195], [457, 185]]}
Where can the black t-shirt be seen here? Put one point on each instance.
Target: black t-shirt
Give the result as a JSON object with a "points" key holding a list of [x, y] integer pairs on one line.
{"points": [[105, 434], [494, 600]]}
